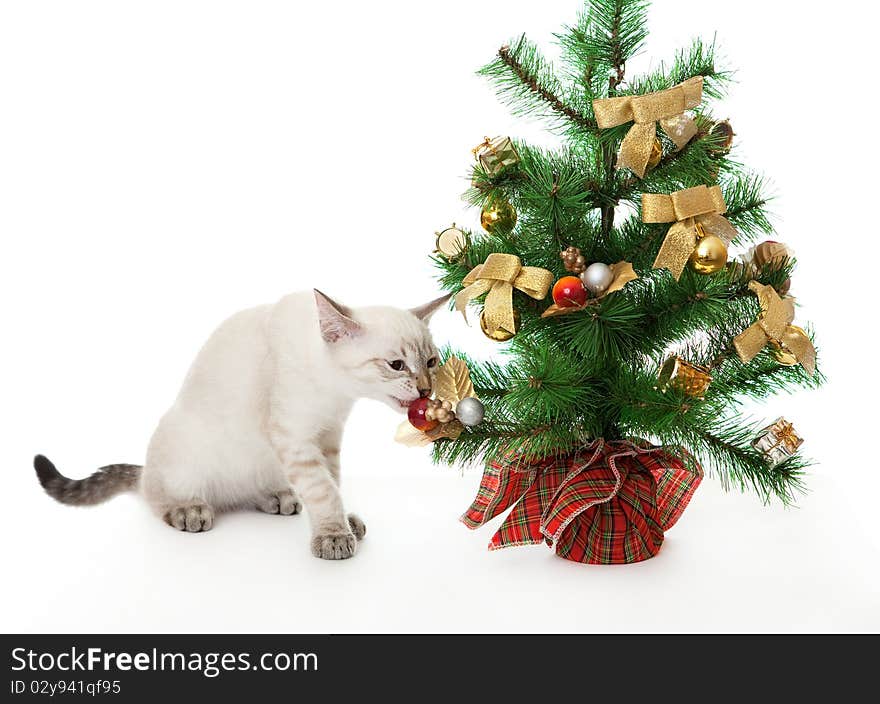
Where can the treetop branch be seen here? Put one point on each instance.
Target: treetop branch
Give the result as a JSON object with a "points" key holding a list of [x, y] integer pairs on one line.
{"points": [[554, 101]]}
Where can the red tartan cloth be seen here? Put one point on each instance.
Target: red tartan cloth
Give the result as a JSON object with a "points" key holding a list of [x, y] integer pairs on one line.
{"points": [[607, 504]]}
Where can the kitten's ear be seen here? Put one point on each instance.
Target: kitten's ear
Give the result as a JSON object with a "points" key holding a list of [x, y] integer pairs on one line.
{"points": [[425, 312], [335, 319]]}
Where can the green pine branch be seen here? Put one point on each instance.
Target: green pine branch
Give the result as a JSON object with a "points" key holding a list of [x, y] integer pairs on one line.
{"points": [[747, 203], [606, 35], [526, 81], [697, 60]]}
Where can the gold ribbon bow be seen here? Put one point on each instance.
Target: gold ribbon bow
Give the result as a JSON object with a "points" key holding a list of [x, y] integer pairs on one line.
{"points": [[485, 144], [690, 211], [666, 107], [499, 275], [774, 324]]}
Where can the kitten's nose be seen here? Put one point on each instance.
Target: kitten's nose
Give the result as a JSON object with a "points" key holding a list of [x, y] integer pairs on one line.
{"points": [[423, 384]]}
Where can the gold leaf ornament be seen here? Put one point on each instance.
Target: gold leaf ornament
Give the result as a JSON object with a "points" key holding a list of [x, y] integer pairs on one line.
{"points": [[453, 381], [410, 437]]}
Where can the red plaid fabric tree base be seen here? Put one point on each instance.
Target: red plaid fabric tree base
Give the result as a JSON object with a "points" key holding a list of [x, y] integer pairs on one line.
{"points": [[608, 504]]}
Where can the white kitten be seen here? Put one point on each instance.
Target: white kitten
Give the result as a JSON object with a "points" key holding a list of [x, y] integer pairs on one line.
{"points": [[263, 407]]}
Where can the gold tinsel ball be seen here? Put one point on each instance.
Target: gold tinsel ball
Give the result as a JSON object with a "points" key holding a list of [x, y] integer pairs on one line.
{"points": [[498, 215], [500, 335], [656, 153], [710, 255]]}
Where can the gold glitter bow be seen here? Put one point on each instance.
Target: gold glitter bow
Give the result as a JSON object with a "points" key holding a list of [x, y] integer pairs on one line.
{"points": [[690, 211], [774, 324], [666, 107], [499, 275]]}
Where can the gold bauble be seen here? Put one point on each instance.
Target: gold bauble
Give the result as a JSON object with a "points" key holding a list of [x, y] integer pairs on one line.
{"points": [[710, 255], [781, 353], [500, 335], [451, 242], [656, 153], [498, 214]]}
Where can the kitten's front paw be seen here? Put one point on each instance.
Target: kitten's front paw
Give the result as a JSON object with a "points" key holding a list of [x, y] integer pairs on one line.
{"points": [[335, 545]]}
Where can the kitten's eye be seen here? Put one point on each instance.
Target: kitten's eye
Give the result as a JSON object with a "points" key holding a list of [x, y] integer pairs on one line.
{"points": [[432, 362], [397, 365]]}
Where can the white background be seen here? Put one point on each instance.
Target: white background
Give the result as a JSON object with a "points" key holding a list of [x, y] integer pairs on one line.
{"points": [[163, 164]]}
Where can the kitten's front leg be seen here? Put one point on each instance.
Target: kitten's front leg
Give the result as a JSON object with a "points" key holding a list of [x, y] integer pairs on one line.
{"points": [[330, 441], [306, 467]]}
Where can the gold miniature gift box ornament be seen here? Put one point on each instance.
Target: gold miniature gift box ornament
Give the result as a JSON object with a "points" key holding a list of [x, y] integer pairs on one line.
{"points": [[496, 154], [679, 374], [778, 441]]}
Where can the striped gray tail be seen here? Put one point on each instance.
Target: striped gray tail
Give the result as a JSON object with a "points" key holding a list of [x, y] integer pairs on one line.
{"points": [[102, 485]]}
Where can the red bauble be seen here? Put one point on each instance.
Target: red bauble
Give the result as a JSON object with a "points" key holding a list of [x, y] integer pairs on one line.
{"points": [[416, 415], [569, 291]]}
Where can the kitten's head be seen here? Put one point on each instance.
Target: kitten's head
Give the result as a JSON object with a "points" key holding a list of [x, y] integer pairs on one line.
{"points": [[386, 354]]}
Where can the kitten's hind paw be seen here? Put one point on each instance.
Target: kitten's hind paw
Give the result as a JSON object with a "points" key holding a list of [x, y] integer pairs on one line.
{"points": [[334, 545], [195, 518], [358, 527], [284, 503]]}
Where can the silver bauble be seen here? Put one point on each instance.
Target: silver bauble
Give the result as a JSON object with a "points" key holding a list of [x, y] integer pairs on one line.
{"points": [[470, 411], [597, 278]]}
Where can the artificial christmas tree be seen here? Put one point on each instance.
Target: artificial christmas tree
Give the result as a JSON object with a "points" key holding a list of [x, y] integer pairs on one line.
{"points": [[613, 397]]}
